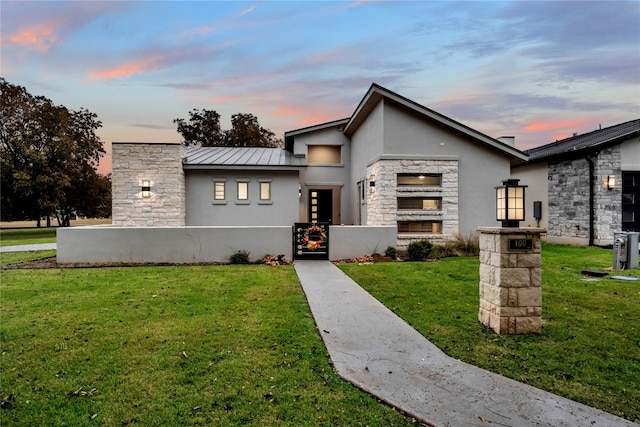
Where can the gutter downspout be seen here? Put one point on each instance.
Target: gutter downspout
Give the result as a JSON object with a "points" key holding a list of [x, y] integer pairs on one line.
{"points": [[591, 200]]}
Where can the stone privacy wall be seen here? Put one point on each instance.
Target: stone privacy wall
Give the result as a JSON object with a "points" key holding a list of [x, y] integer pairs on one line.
{"points": [[161, 164], [510, 280], [382, 208], [569, 198]]}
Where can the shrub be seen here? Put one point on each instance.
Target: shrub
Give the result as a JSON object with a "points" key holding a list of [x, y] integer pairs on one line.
{"points": [[440, 251], [466, 246], [391, 252], [419, 250], [240, 257]]}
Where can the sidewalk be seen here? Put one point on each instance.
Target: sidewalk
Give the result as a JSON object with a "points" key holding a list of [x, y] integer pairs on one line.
{"points": [[377, 351], [20, 248]]}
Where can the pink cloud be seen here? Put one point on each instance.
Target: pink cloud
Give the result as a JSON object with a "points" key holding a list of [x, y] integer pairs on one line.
{"points": [[40, 37], [555, 125], [127, 69]]}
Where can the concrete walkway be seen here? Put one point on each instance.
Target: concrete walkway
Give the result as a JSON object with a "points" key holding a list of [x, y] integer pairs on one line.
{"points": [[378, 352], [21, 248]]}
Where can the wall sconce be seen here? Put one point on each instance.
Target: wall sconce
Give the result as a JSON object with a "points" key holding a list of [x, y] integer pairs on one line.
{"points": [[146, 188], [510, 203], [372, 183], [611, 182]]}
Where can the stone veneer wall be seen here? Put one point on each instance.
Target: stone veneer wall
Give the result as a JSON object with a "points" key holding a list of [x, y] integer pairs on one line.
{"points": [[569, 198], [161, 164], [510, 280], [383, 205]]}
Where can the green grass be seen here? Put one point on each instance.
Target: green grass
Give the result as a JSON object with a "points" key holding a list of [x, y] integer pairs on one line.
{"points": [[7, 258], [27, 236], [167, 346], [588, 351]]}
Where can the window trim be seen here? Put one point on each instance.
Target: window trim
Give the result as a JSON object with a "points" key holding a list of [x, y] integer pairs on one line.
{"points": [[269, 200], [223, 200]]}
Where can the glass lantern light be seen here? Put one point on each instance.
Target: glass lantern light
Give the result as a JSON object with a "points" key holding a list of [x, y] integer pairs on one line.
{"points": [[510, 203]]}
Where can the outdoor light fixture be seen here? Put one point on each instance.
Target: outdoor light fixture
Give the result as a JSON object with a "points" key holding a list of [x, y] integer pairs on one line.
{"points": [[372, 183], [611, 182], [510, 203], [146, 188]]}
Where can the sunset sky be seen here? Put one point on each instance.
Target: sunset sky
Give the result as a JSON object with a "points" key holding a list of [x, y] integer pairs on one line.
{"points": [[536, 70]]}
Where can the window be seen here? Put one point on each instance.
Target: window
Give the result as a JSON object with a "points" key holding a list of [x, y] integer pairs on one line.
{"points": [[420, 203], [218, 190], [432, 227], [243, 191], [325, 154], [265, 191], [419, 180]]}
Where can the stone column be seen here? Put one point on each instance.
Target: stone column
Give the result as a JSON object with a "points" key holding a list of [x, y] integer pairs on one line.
{"points": [[510, 276]]}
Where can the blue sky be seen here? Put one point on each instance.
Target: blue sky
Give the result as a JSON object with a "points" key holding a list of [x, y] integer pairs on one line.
{"points": [[538, 70]]}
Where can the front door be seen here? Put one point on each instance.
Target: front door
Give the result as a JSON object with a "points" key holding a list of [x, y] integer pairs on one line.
{"points": [[631, 201], [321, 206]]}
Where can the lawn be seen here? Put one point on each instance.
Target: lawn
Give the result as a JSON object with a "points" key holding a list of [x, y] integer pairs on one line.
{"points": [[589, 349], [189, 345], [27, 236]]}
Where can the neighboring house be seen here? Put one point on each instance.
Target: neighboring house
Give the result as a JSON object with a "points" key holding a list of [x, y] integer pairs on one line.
{"points": [[588, 185], [393, 162]]}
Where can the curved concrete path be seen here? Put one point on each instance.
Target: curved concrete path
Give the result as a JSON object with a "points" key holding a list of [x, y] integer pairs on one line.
{"points": [[377, 351], [21, 248]]}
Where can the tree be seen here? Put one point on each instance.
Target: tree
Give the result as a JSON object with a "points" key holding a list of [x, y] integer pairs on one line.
{"points": [[203, 128], [48, 156]]}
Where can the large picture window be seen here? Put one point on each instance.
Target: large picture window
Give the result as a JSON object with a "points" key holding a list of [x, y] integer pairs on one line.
{"points": [[324, 154], [419, 180], [417, 227]]}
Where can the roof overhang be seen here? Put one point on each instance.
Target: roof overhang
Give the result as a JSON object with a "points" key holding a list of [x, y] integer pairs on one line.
{"points": [[290, 135], [377, 93]]}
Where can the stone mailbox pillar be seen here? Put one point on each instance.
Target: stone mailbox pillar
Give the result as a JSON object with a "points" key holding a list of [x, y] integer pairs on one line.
{"points": [[510, 292]]}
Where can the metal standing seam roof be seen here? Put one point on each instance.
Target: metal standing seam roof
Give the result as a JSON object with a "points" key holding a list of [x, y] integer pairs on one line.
{"points": [[587, 141], [204, 157]]}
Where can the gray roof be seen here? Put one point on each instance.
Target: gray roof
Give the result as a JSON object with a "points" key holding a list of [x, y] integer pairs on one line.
{"points": [[588, 142], [240, 157]]}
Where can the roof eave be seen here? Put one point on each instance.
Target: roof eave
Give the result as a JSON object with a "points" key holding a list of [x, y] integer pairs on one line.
{"points": [[376, 93]]}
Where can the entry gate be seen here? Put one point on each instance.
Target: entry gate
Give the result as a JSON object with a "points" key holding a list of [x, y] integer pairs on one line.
{"points": [[311, 240]]}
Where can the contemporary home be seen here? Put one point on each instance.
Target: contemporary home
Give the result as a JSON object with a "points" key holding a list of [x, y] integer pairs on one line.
{"points": [[585, 187], [393, 162]]}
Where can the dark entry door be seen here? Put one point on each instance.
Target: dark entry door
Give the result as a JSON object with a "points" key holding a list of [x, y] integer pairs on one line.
{"points": [[321, 206], [631, 201]]}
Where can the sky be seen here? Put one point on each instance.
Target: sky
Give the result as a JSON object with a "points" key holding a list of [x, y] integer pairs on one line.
{"points": [[536, 70]]}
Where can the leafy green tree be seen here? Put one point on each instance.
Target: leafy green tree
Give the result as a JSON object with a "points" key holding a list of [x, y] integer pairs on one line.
{"points": [[48, 156], [246, 132], [203, 129]]}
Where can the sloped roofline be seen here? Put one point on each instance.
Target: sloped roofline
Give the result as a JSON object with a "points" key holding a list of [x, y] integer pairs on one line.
{"points": [[596, 140], [376, 93], [289, 135]]}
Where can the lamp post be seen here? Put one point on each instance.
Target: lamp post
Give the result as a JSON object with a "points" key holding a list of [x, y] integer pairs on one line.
{"points": [[510, 203]]}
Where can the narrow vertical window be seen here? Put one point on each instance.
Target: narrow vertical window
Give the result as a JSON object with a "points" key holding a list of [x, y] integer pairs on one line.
{"points": [[243, 191], [218, 191], [265, 191]]}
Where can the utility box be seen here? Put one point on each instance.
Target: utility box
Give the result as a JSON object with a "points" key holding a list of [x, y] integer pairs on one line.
{"points": [[625, 250]]}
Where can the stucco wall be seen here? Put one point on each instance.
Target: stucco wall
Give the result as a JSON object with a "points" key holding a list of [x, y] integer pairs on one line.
{"points": [[334, 177], [202, 210], [480, 168], [630, 154], [161, 164], [535, 177], [184, 245]]}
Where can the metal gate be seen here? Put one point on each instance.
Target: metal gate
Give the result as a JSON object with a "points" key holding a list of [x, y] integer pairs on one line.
{"points": [[311, 240]]}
